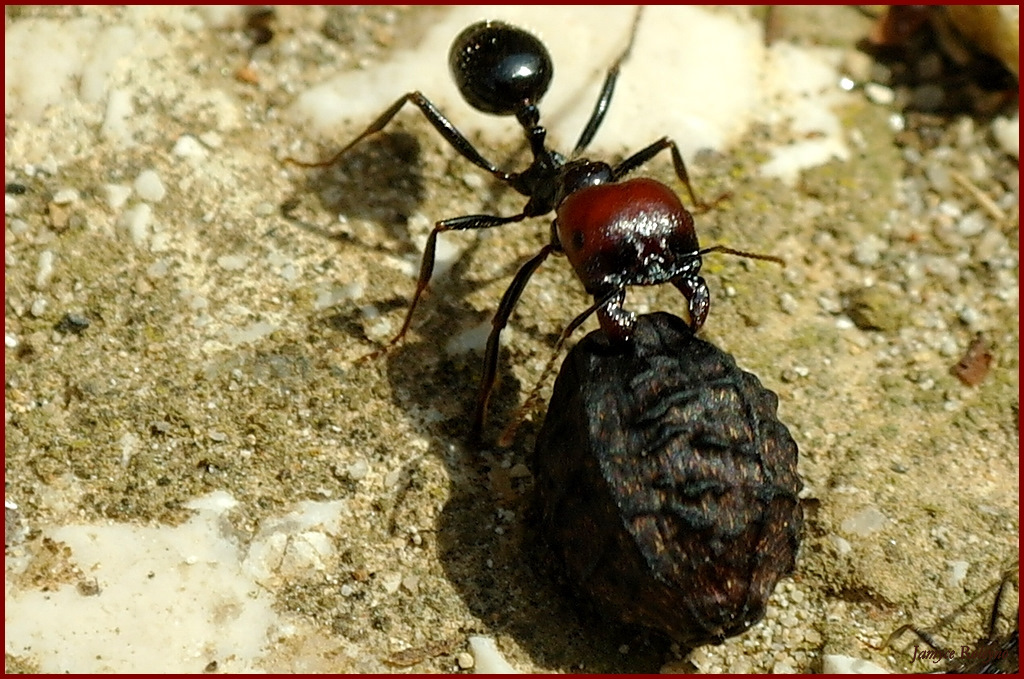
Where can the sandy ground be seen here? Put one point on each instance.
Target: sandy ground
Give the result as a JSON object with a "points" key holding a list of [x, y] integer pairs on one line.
{"points": [[191, 336]]}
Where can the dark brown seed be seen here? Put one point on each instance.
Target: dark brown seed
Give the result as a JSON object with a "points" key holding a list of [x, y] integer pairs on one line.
{"points": [[666, 485]]}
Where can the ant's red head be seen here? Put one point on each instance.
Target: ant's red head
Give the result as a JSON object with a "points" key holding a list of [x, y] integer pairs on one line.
{"points": [[635, 232]]}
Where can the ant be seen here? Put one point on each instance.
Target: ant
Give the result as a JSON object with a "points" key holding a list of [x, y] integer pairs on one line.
{"points": [[615, 232]]}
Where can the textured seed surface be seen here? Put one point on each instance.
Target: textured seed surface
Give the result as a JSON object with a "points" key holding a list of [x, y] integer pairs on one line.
{"points": [[667, 485]]}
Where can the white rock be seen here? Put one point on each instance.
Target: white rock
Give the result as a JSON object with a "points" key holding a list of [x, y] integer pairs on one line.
{"points": [[865, 522], [232, 262], [879, 94], [1007, 133], [45, 270], [117, 195], [844, 664], [38, 307], [149, 187], [119, 112], [358, 470], [188, 146], [487, 659], [972, 224], [957, 572], [136, 221], [65, 196]]}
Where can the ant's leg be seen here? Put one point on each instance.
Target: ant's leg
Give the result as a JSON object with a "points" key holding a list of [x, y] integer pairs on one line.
{"points": [[698, 298], [436, 118], [645, 154], [498, 323], [923, 636], [601, 107], [532, 400], [427, 264], [994, 618]]}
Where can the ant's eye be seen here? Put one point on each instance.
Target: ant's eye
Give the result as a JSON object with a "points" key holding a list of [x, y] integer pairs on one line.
{"points": [[498, 67]]}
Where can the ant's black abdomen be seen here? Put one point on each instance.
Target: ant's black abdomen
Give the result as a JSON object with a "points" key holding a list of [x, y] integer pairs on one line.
{"points": [[667, 487], [499, 68]]}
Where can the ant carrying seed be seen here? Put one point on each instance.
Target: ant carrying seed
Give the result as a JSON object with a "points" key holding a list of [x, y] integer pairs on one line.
{"points": [[615, 232]]}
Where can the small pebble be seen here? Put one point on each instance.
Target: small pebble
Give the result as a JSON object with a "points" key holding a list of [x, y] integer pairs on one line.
{"points": [[865, 522], [358, 470], [957, 572], [149, 187], [136, 221], [65, 196], [218, 436], [972, 224], [844, 664], [473, 180], [117, 195], [843, 546], [159, 269], [38, 307], [968, 316], [46, 258], [188, 146], [71, 323], [392, 478], [232, 262], [938, 175], [948, 346], [212, 139], [869, 250], [391, 582], [783, 667], [989, 245], [879, 94], [465, 660], [10, 341]]}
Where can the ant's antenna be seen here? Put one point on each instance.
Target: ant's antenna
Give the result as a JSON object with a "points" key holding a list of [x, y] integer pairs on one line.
{"points": [[740, 253]]}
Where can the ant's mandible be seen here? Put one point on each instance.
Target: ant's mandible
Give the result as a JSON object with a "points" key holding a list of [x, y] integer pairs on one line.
{"points": [[615, 233]]}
